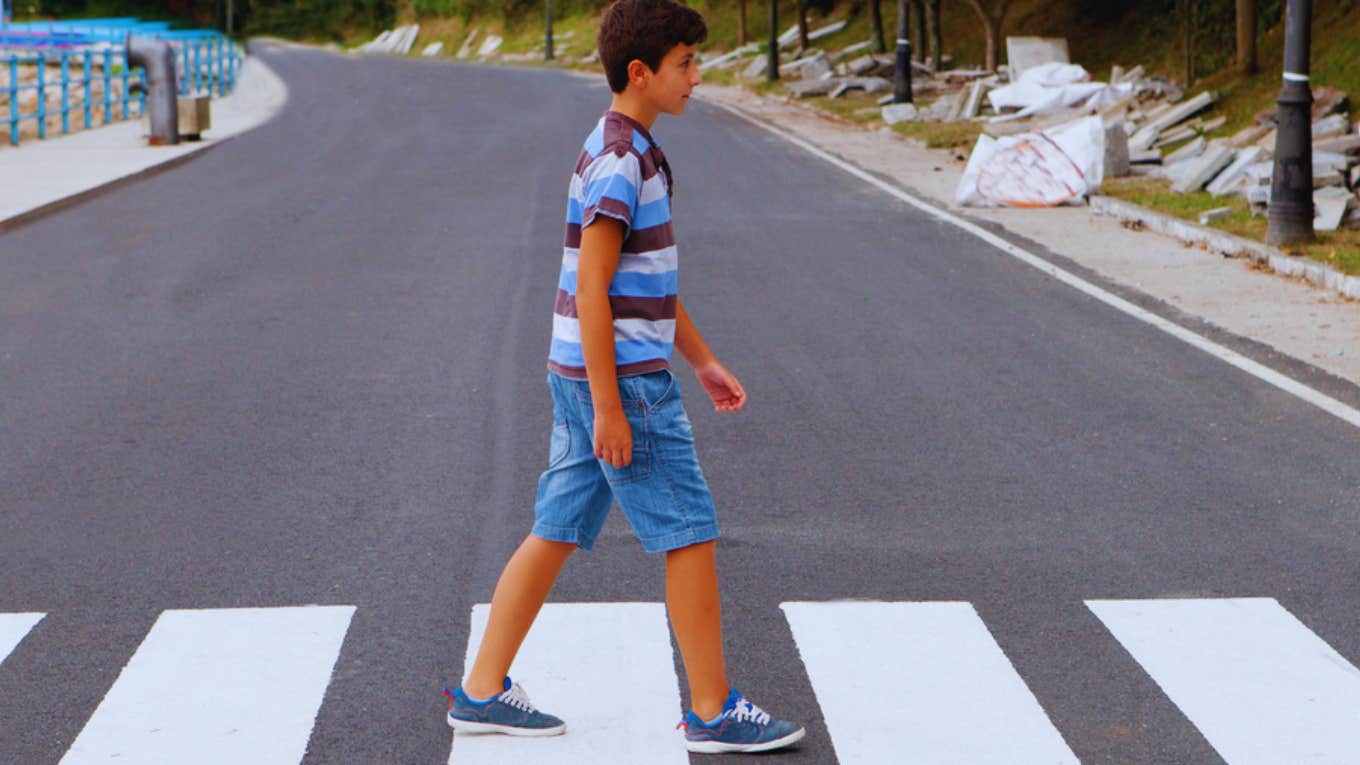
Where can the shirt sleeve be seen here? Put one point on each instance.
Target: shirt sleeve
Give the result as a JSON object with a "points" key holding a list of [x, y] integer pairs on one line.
{"points": [[610, 186]]}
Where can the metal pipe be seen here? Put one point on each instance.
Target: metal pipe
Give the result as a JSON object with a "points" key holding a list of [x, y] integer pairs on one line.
{"points": [[158, 59], [1290, 219]]}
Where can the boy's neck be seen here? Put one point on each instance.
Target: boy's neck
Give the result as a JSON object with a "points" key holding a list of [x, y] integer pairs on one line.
{"points": [[640, 111]]}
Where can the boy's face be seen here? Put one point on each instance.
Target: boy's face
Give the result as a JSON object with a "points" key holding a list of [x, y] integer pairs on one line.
{"points": [[668, 88]]}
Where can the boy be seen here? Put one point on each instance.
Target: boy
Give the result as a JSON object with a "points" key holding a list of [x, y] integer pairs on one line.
{"points": [[619, 429]]}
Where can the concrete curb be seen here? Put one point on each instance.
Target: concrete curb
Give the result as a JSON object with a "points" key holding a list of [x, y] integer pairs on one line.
{"points": [[37, 213], [1231, 245]]}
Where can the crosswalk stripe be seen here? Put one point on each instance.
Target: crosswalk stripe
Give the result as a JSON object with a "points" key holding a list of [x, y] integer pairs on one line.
{"points": [[219, 686], [13, 629], [1258, 684], [919, 683], [606, 669]]}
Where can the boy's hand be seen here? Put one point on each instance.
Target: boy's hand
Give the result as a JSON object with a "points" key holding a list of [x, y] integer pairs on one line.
{"points": [[613, 438], [722, 387]]}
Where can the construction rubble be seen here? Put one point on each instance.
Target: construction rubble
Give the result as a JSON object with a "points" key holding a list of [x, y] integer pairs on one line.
{"points": [[1051, 132]]}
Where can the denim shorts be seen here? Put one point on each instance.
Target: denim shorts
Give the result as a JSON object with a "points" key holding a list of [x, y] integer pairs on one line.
{"points": [[662, 492]]}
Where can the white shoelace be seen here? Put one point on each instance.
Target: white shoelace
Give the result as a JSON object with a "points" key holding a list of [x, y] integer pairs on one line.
{"points": [[745, 710], [517, 698]]}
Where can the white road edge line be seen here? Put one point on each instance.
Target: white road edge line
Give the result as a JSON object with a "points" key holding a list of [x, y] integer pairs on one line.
{"points": [[1260, 371]]}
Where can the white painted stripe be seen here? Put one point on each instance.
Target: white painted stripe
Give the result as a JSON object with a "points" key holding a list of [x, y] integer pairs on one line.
{"points": [[1295, 77], [1262, 372], [219, 686], [568, 329], [919, 683], [13, 628], [1258, 684], [604, 668]]}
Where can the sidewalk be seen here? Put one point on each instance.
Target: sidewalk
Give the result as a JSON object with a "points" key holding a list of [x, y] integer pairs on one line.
{"points": [[1313, 325], [39, 176]]}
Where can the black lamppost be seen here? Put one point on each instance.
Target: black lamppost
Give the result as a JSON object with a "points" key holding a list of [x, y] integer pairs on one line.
{"points": [[1290, 219], [902, 80], [773, 73]]}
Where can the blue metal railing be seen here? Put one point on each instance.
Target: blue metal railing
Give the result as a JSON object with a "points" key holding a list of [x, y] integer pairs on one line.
{"points": [[78, 64]]}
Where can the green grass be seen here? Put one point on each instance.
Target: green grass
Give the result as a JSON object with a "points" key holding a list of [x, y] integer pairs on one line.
{"points": [[1339, 249]]}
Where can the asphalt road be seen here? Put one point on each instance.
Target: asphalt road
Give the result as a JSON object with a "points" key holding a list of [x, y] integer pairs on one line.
{"points": [[308, 367]]}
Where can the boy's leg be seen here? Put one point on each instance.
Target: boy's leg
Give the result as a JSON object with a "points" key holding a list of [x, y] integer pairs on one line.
{"points": [[523, 587], [696, 616]]}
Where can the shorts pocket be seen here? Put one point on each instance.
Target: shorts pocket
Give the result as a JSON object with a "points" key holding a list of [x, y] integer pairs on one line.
{"points": [[658, 389], [559, 446]]}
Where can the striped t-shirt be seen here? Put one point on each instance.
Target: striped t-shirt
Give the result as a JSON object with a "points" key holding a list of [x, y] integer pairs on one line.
{"points": [[622, 174]]}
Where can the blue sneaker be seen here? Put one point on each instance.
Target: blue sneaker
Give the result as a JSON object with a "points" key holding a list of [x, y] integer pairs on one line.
{"points": [[511, 712], [741, 727]]}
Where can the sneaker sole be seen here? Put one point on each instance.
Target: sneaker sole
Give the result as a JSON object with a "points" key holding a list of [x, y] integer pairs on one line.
{"points": [[467, 726], [718, 747]]}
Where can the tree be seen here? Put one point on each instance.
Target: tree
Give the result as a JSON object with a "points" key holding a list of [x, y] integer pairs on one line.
{"points": [[918, 30], [741, 22], [802, 25], [992, 19], [1246, 36], [934, 43], [876, 25]]}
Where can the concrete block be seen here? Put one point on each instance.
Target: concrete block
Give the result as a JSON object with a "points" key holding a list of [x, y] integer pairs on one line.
{"points": [[826, 31], [812, 67], [195, 116], [1146, 157], [433, 49], [1027, 52], [895, 113], [1214, 215], [1248, 136], [1116, 151], [1228, 180], [1188, 151], [1147, 134], [759, 67], [1345, 144], [489, 46], [1330, 205], [465, 49], [808, 88], [1205, 167], [1331, 126]]}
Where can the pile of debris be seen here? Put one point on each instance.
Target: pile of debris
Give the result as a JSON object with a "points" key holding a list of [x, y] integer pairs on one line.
{"points": [[1243, 165]]}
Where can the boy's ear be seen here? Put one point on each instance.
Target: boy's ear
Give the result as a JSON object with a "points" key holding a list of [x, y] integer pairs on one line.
{"points": [[638, 73]]}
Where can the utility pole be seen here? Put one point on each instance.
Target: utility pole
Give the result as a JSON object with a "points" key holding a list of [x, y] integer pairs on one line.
{"points": [[773, 74], [231, 14], [902, 82], [547, 31], [1290, 220]]}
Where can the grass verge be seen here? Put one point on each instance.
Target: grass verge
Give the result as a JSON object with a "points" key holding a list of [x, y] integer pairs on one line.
{"points": [[1339, 249]]}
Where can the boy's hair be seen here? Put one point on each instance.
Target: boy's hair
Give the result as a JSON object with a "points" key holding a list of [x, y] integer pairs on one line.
{"points": [[645, 30]]}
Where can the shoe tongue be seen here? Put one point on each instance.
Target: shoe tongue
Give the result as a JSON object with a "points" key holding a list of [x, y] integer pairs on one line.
{"points": [[506, 685], [732, 699]]}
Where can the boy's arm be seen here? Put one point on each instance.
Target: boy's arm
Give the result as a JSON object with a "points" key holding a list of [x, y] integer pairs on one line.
{"points": [[722, 386], [601, 242]]}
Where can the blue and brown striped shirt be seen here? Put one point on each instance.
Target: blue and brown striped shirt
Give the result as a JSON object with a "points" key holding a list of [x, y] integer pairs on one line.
{"points": [[622, 174]]}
